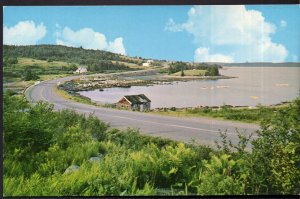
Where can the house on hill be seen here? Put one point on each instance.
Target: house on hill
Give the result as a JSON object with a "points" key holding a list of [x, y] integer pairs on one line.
{"points": [[80, 70], [134, 102], [148, 63]]}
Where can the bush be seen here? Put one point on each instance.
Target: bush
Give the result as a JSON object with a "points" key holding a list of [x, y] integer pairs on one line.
{"points": [[173, 108]]}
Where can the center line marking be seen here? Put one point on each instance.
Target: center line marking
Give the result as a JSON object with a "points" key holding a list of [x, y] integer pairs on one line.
{"points": [[173, 125]]}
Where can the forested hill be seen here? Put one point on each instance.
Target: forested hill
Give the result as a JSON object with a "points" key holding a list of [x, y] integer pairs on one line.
{"points": [[65, 54]]}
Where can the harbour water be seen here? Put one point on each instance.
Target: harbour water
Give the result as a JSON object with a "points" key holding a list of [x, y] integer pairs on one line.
{"points": [[252, 85]]}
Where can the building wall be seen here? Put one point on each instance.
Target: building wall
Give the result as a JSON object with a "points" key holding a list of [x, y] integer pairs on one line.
{"points": [[144, 107], [123, 103], [146, 64]]}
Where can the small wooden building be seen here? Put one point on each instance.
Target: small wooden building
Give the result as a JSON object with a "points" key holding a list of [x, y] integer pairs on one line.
{"points": [[134, 102]]}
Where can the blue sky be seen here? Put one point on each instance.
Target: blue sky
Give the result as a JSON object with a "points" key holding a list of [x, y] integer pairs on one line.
{"points": [[186, 33]]}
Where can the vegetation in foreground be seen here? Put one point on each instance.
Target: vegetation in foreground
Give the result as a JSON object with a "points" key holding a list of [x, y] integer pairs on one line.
{"points": [[40, 145], [226, 112]]}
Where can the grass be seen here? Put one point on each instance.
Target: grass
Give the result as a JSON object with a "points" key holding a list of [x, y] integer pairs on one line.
{"points": [[191, 73], [19, 85], [48, 77], [131, 65], [62, 93], [253, 115], [183, 113], [23, 62], [76, 98]]}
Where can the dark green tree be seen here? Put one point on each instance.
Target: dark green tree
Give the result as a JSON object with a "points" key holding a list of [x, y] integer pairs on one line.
{"points": [[29, 75]]}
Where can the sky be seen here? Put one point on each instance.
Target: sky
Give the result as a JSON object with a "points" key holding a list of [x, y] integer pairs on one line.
{"points": [[238, 33]]}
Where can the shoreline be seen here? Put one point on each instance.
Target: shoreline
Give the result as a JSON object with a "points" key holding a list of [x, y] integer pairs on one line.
{"points": [[193, 112], [73, 87], [102, 82]]}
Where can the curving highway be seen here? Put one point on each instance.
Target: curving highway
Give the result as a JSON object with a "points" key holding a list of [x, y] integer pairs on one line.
{"points": [[202, 130]]}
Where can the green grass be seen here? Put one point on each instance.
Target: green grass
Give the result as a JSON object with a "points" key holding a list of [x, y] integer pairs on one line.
{"points": [[19, 85], [253, 115], [50, 76], [66, 95], [23, 62], [43, 69], [193, 72], [131, 65]]}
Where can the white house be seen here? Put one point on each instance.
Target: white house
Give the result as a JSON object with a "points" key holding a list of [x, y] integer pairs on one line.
{"points": [[148, 62], [81, 70]]}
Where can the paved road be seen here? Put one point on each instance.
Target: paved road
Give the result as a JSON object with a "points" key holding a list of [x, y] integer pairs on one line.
{"points": [[202, 130]]}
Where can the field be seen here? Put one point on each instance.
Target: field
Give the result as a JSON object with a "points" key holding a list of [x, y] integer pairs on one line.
{"points": [[24, 62]]}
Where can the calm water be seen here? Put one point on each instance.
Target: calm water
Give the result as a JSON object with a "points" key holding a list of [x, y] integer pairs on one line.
{"points": [[265, 85]]}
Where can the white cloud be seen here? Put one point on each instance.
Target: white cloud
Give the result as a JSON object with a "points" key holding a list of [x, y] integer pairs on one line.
{"points": [[117, 46], [89, 39], [283, 23], [245, 32], [173, 27], [202, 55], [24, 33]]}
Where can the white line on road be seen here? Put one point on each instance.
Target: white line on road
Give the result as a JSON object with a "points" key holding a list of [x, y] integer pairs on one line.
{"points": [[173, 125]]}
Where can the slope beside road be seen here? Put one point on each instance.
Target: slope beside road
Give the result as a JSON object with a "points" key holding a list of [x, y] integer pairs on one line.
{"points": [[202, 130]]}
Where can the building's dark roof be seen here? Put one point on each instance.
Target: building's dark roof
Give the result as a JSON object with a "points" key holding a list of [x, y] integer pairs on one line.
{"points": [[137, 99]]}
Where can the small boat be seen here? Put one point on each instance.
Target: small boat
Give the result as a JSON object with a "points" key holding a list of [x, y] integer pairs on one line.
{"points": [[101, 89]]}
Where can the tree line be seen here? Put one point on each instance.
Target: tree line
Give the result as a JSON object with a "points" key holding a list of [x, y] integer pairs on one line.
{"points": [[211, 69]]}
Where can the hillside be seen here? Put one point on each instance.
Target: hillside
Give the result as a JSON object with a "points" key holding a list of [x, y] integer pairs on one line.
{"points": [[32, 62], [64, 53]]}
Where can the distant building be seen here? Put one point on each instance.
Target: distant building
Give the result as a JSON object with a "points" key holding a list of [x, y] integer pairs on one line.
{"points": [[80, 70], [134, 102], [148, 62]]}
